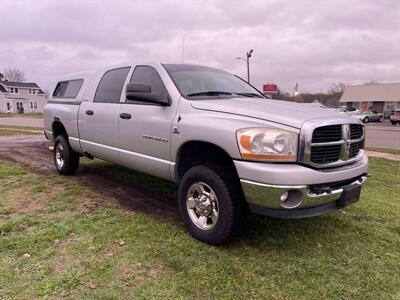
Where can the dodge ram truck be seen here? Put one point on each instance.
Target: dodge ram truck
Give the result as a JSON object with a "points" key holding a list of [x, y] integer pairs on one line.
{"points": [[231, 150]]}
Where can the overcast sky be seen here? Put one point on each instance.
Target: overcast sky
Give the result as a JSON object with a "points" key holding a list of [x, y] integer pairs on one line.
{"points": [[315, 43]]}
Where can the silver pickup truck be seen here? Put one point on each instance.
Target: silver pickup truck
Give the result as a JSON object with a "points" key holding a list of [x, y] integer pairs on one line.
{"points": [[231, 150]]}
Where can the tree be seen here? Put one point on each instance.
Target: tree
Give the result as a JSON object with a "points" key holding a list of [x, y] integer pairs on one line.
{"points": [[337, 88], [14, 74]]}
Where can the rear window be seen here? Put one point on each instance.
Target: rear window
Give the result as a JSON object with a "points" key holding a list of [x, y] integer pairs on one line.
{"points": [[110, 86], [68, 89]]}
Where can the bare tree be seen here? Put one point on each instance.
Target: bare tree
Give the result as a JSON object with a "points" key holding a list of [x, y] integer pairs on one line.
{"points": [[337, 88], [14, 74]]}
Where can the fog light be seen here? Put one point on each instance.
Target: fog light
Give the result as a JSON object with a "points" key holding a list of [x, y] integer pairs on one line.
{"points": [[284, 197], [291, 199]]}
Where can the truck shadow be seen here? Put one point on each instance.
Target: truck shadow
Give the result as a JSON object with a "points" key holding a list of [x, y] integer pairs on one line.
{"points": [[154, 196]]}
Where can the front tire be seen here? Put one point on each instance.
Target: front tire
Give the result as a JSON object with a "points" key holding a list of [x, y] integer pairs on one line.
{"points": [[366, 120], [210, 204], [380, 119], [65, 159]]}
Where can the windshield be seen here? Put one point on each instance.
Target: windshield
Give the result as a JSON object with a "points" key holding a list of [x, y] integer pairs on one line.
{"points": [[198, 83]]}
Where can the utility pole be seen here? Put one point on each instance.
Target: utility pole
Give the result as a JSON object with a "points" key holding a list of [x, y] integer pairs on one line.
{"points": [[247, 60], [183, 47]]}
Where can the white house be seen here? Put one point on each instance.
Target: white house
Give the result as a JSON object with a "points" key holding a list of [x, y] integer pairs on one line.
{"points": [[21, 96]]}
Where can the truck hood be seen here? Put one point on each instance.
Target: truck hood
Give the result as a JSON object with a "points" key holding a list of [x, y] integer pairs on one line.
{"points": [[283, 112]]}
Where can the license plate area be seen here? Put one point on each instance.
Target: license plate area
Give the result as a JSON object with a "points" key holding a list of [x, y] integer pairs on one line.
{"points": [[349, 195]]}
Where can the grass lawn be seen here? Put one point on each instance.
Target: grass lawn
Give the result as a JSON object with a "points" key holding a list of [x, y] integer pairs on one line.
{"points": [[385, 150], [19, 130], [28, 115], [59, 238]]}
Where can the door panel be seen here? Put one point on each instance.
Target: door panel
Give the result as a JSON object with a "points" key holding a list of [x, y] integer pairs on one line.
{"points": [[98, 130], [99, 118], [144, 138]]}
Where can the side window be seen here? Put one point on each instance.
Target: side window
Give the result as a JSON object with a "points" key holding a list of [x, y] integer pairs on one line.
{"points": [[148, 75], [110, 86], [67, 89]]}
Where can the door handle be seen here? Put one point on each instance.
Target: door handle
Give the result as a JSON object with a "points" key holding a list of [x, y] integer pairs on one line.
{"points": [[125, 116], [89, 112]]}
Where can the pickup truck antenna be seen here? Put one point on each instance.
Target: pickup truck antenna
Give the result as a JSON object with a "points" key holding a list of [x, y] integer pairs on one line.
{"points": [[183, 47]]}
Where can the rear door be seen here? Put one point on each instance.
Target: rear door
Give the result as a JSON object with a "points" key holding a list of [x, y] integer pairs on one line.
{"points": [[99, 118], [145, 136]]}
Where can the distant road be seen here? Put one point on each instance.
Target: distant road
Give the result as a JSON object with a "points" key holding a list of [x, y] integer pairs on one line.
{"points": [[31, 122], [382, 135]]}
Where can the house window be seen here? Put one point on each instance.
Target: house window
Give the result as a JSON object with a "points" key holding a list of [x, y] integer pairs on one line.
{"points": [[8, 106], [35, 105], [17, 105], [31, 105], [14, 90]]}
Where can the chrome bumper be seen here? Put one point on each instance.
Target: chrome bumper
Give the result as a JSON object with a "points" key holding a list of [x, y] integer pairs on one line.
{"points": [[302, 200]]}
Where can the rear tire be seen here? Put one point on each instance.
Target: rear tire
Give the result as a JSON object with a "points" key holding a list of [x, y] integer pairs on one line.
{"points": [[65, 159], [381, 119], [211, 206], [366, 120]]}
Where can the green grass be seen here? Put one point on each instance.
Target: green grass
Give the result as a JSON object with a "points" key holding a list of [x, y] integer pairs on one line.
{"points": [[385, 150], [29, 115], [19, 130], [73, 237]]}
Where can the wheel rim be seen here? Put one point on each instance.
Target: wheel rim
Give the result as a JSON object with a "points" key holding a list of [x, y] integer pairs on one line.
{"points": [[59, 156], [202, 205]]}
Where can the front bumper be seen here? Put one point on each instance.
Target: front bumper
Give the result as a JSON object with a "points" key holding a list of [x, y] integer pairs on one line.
{"points": [[309, 192]]}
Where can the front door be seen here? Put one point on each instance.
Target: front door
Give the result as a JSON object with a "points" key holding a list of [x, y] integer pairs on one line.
{"points": [[98, 121], [145, 128]]}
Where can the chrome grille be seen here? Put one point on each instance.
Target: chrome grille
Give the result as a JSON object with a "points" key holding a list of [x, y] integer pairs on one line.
{"points": [[325, 154], [331, 144], [355, 148], [327, 134], [356, 131]]}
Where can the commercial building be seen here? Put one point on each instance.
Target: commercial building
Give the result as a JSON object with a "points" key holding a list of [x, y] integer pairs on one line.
{"points": [[375, 97]]}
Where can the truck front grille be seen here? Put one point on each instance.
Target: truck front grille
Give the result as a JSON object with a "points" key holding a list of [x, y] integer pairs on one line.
{"points": [[327, 134], [334, 144], [325, 154]]}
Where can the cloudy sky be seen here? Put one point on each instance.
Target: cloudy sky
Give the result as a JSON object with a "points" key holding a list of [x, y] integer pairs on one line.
{"points": [[315, 43]]}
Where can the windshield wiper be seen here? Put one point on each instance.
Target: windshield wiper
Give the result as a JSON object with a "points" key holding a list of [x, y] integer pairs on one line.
{"points": [[208, 93], [251, 95]]}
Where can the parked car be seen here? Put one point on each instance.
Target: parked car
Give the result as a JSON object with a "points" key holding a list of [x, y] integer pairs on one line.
{"points": [[369, 116], [349, 111], [395, 118], [229, 148], [352, 111], [388, 113]]}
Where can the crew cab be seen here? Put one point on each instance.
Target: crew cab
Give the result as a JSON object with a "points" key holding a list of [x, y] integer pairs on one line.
{"points": [[231, 150]]}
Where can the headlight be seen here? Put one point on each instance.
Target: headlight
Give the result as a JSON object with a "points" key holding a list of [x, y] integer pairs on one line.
{"points": [[267, 144]]}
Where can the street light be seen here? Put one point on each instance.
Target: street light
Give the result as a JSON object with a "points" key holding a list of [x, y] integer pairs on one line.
{"points": [[247, 60]]}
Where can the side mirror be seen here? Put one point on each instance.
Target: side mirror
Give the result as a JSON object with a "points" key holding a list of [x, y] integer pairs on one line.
{"points": [[142, 92]]}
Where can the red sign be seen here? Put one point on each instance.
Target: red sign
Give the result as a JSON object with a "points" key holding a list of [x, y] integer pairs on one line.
{"points": [[270, 88]]}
